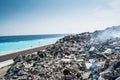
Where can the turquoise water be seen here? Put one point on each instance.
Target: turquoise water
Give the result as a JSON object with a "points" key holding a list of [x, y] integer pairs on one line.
{"points": [[10, 46]]}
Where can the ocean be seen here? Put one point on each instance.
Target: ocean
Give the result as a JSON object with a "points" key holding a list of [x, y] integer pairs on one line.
{"points": [[11, 43]]}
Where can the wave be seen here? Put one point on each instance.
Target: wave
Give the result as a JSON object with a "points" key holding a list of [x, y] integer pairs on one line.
{"points": [[10, 46]]}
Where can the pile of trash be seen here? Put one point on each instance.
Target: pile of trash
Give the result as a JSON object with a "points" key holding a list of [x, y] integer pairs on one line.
{"points": [[74, 57]]}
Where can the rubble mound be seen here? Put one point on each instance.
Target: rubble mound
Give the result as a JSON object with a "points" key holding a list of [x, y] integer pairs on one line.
{"points": [[84, 56]]}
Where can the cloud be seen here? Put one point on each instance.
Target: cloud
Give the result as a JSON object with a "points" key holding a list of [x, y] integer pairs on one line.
{"points": [[111, 8], [115, 4], [106, 14]]}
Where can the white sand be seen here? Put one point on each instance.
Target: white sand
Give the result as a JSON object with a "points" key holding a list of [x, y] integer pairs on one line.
{"points": [[5, 63]]}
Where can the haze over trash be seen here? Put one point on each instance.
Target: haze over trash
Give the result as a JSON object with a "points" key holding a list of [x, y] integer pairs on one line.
{"points": [[108, 33]]}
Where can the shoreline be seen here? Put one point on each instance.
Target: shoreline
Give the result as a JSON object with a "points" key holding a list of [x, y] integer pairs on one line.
{"points": [[40, 42], [4, 56]]}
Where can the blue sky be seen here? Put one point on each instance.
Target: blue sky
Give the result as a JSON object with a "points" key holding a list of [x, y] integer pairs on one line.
{"points": [[20, 17]]}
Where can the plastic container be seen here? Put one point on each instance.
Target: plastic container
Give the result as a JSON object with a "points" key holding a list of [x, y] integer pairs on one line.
{"points": [[93, 67]]}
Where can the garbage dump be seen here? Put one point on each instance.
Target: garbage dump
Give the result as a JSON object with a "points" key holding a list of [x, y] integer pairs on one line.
{"points": [[74, 57]]}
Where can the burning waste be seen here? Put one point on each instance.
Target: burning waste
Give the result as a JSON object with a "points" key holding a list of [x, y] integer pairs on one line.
{"points": [[85, 56]]}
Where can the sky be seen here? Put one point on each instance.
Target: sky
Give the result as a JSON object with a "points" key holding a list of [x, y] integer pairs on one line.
{"points": [[24, 17]]}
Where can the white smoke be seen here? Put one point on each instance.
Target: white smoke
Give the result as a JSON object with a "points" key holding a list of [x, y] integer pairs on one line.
{"points": [[109, 33]]}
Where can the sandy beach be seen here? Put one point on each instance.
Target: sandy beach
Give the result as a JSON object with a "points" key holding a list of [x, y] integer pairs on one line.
{"points": [[6, 58], [10, 55], [4, 67]]}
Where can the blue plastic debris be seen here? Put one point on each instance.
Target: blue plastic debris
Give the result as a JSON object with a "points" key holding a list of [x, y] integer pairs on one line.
{"points": [[93, 67], [95, 76], [117, 48]]}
